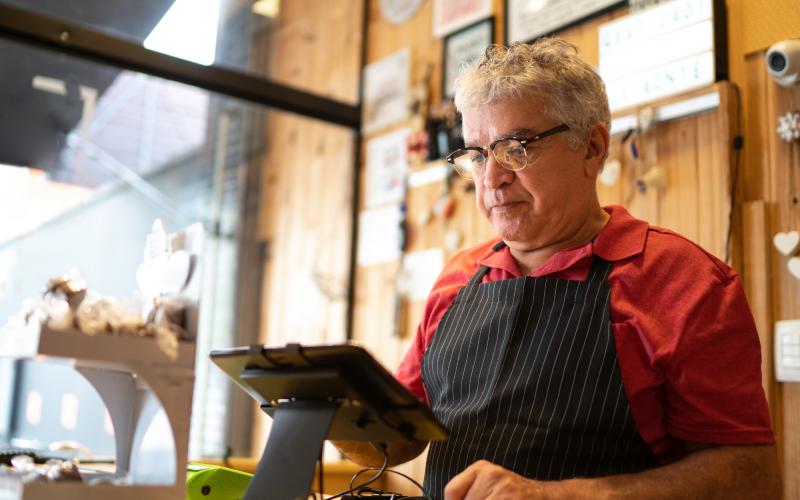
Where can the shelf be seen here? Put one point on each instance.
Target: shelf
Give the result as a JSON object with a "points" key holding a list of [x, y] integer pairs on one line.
{"points": [[98, 350], [136, 381], [80, 491]]}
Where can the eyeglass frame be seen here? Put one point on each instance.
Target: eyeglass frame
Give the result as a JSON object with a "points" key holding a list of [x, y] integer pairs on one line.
{"points": [[523, 142]]}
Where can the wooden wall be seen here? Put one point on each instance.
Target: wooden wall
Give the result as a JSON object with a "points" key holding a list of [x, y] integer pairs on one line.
{"points": [[693, 152], [307, 189], [770, 169], [773, 168], [307, 172]]}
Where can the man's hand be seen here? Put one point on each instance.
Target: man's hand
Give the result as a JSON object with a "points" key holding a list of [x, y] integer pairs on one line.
{"points": [[723, 472], [485, 480]]}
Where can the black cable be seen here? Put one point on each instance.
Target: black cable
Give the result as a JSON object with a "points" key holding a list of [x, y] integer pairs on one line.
{"points": [[425, 495], [370, 481], [738, 144], [321, 475]]}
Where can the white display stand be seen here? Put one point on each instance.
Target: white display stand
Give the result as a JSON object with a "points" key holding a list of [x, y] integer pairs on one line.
{"points": [[136, 381]]}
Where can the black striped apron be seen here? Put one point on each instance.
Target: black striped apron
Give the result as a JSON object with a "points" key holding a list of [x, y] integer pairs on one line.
{"points": [[524, 374]]}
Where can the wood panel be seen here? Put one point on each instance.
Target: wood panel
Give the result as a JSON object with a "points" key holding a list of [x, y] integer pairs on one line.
{"points": [[306, 183], [757, 281], [693, 151], [307, 171], [694, 154], [776, 165]]}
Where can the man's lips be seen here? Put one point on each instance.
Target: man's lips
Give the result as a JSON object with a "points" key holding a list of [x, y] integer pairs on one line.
{"points": [[503, 207]]}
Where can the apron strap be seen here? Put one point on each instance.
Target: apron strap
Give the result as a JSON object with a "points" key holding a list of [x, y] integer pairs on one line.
{"points": [[477, 278], [600, 269]]}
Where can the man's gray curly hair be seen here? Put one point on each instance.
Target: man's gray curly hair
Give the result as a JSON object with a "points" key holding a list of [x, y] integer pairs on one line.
{"points": [[549, 69]]}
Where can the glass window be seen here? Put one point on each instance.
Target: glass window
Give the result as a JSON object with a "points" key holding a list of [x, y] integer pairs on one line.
{"points": [[91, 155]]}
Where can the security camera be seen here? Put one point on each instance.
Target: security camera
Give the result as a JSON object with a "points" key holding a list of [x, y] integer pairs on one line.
{"points": [[783, 62]]}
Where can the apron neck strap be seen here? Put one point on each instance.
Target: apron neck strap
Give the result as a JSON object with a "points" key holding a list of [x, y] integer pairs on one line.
{"points": [[599, 271], [477, 278]]}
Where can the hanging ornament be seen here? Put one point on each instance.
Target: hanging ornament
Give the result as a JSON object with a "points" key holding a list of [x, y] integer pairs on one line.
{"points": [[789, 126], [787, 243], [794, 267]]}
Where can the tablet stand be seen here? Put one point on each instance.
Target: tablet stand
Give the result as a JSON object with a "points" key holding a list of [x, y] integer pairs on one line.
{"points": [[318, 392], [286, 468]]}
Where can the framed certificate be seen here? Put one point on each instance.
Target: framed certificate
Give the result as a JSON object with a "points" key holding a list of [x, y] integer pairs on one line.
{"points": [[462, 48], [452, 15]]}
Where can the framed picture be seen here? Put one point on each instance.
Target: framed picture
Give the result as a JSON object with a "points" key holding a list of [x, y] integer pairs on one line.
{"points": [[452, 15], [462, 48], [527, 20], [385, 92]]}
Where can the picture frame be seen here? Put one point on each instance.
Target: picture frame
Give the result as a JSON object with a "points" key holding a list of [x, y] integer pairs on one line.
{"points": [[461, 48], [450, 16]]}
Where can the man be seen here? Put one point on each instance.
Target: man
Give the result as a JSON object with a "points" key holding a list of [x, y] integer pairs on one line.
{"points": [[583, 353]]}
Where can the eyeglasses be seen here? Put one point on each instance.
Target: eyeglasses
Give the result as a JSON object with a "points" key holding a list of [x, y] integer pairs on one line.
{"points": [[510, 152]]}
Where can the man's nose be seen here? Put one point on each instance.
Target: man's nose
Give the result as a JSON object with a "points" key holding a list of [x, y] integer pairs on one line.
{"points": [[496, 175]]}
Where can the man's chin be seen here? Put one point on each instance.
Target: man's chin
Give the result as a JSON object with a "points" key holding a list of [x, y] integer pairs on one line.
{"points": [[511, 235]]}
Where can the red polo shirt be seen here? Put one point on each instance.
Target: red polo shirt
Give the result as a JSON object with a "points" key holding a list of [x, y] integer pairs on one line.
{"points": [[688, 349]]}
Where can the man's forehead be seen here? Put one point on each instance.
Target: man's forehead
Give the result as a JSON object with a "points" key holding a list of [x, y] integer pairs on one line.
{"points": [[486, 131], [505, 119]]}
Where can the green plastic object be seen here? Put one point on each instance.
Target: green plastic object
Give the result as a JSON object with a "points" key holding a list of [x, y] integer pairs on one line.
{"points": [[213, 482]]}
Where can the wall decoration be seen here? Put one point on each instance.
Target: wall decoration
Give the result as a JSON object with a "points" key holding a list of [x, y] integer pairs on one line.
{"points": [[527, 20], [789, 126], [662, 51], [794, 267], [386, 92], [444, 131], [386, 168], [462, 48], [420, 270], [399, 11], [787, 243], [378, 235], [452, 15]]}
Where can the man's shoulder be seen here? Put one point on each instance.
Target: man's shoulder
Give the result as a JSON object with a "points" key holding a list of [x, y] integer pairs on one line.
{"points": [[675, 254]]}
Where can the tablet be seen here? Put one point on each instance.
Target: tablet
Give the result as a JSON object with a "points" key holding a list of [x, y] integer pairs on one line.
{"points": [[372, 404]]}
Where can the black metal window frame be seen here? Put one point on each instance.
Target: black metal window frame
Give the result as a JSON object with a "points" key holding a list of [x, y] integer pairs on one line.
{"points": [[58, 35]]}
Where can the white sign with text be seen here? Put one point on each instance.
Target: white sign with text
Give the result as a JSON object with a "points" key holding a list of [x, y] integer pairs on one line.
{"points": [[659, 52]]}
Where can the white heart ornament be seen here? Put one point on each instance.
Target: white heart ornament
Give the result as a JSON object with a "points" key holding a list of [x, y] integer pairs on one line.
{"points": [[787, 243], [794, 266]]}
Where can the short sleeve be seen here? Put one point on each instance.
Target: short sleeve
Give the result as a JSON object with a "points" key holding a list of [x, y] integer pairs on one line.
{"points": [[713, 380], [409, 373]]}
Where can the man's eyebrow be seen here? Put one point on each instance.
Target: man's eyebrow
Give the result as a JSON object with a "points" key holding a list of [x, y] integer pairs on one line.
{"points": [[516, 133]]}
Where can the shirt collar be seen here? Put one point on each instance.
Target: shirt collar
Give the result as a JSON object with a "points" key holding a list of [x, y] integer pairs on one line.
{"points": [[622, 237]]}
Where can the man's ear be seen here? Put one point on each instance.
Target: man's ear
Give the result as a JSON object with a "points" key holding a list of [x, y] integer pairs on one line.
{"points": [[597, 144]]}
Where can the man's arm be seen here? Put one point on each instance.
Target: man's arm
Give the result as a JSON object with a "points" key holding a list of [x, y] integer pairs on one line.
{"points": [[722, 472], [368, 455]]}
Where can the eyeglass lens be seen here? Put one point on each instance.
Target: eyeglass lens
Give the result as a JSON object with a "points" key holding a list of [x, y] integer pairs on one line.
{"points": [[510, 153]]}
